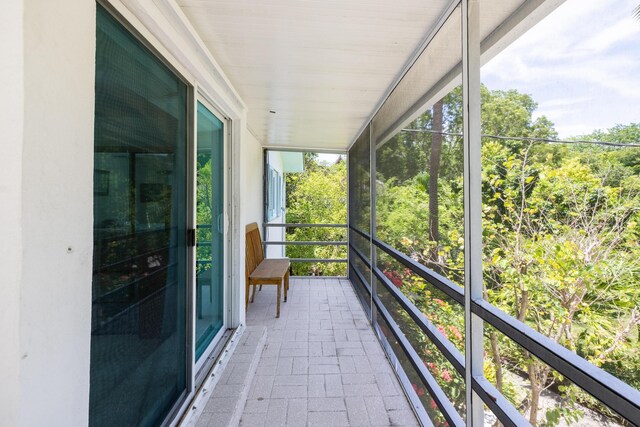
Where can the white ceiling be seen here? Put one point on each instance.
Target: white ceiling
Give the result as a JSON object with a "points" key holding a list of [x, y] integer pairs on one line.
{"points": [[321, 65]]}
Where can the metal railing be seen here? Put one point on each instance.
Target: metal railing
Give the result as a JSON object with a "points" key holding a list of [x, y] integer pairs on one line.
{"points": [[611, 391], [305, 243]]}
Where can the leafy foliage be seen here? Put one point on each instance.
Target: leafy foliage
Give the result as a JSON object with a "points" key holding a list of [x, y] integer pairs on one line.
{"points": [[317, 196], [560, 242]]}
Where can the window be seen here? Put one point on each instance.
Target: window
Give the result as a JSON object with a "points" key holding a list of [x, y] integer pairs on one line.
{"points": [[274, 193], [278, 195]]}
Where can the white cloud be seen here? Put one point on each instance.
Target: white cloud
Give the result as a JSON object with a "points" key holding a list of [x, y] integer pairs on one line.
{"points": [[581, 64], [623, 30], [564, 102]]}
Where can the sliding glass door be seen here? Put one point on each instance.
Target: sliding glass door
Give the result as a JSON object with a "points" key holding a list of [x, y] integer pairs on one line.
{"points": [[139, 311], [147, 340], [210, 229]]}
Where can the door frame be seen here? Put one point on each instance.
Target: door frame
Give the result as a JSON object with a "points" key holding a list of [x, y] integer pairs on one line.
{"points": [[203, 365]]}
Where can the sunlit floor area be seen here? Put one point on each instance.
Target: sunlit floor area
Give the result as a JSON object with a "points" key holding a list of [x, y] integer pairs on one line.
{"points": [[322, 364]]}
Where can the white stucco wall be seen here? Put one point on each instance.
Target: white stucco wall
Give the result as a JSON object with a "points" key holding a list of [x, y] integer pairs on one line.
{"points": [[55, 196], [11, 128], [46, 119], [251, 180], [250, 199]]}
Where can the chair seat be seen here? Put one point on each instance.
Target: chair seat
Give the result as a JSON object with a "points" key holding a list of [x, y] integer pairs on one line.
{"points": [[270, 269]]}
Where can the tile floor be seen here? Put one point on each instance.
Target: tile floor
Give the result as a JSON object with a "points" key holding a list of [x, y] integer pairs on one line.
{"points": [[322, 364], [226, 400]]}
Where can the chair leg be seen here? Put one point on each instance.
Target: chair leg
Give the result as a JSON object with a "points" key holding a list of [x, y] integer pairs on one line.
{"points": [[253, 294], [278, 303], [260, 287], [246, 294], [286, 285]]}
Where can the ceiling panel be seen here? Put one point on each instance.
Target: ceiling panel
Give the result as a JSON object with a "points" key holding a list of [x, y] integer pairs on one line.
{"points": [[321, 65]]}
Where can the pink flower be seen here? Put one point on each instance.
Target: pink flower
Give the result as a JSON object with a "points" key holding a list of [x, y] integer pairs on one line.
{"points": [[456, 332], [446, 375], [394, 277], [419, 390], [443, 331], [440, 302]]}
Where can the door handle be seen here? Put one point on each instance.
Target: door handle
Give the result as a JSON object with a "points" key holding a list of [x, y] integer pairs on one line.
{"points": [[191, 237]]}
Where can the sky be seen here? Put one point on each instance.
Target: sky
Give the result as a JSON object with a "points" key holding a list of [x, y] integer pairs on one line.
{"points": [[326, 158], [581, 64]]}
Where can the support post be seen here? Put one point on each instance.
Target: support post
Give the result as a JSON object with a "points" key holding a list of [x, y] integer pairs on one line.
{"points": [[472, 204], [372, 217]]}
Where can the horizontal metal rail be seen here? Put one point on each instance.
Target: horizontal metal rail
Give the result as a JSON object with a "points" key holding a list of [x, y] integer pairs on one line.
{"points": [[445, 346], [308, 243], [318, 259], [360, 232], [506, 413], [360, 255], [291, 225], [440, 398], [611, 391], [614, 393], [360, 277], [305, 243], [452, 290]]}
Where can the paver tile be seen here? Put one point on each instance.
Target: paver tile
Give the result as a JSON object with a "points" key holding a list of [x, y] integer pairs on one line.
{"points": [[357, 411], [361, 390], [256, 406], [325, 404], [221, 404], [297, 412], [291, 380], [322, 366], [277, 413], [288, 391], [252, 420], [300, 366], [328, 419], [333, 386]]}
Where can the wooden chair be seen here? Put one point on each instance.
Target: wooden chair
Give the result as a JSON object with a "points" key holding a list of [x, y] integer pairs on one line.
{"points": [[261, 271]]}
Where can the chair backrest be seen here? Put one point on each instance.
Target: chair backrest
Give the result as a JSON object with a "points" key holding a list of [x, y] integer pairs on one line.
{"points": [[253, 252]]}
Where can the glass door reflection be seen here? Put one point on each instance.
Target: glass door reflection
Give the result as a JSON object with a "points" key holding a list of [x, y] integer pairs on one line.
{"points": [[139, 287], [209, 229]]}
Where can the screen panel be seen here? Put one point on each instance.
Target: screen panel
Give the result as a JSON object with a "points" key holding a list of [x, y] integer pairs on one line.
{"points": [[138, 329]]}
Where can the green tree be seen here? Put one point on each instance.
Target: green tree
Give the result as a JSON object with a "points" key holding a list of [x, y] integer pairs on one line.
{"points": [[317, 196], [560, 240]]}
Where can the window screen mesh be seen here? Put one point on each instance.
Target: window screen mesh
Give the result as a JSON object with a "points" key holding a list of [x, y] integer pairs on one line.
{"points": [[435, 72], [360, 209], [138, 328]]}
